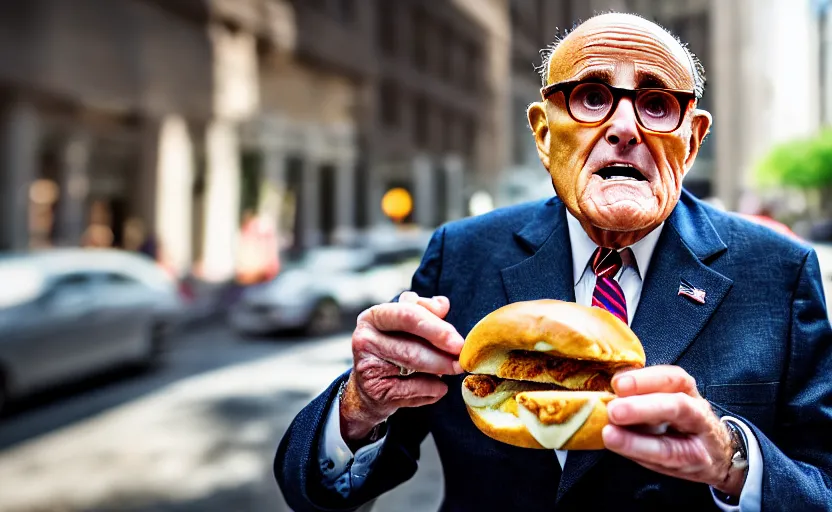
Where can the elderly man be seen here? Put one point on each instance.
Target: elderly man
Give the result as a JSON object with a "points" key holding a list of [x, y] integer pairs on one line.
{"points": [[731, 316]]}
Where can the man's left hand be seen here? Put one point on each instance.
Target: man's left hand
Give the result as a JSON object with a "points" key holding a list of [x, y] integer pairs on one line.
{"points": [[696, 445]]}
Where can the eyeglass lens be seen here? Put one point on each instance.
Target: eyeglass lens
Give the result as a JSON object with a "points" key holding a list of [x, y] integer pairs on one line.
{"points": [[657, 110]]}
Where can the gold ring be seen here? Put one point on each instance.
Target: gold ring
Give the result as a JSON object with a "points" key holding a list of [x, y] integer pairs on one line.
{"points": [[405, 372]]}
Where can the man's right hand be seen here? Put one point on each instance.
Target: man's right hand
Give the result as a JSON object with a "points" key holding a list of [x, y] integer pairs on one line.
{"points": [[408, 334]]}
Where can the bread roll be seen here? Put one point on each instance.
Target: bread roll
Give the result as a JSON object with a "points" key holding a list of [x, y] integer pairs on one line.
{"points": [[542, 372]]}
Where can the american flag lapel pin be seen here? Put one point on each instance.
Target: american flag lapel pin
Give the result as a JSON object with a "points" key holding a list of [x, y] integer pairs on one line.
{"points": [[691, 292]]}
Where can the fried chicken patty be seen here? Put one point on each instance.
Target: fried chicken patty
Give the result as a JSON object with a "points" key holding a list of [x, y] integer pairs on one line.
{"points": [[481, 385], [571, 373]]}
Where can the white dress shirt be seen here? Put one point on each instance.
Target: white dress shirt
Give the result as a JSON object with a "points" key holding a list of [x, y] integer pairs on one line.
{"points": [[344, 471]]}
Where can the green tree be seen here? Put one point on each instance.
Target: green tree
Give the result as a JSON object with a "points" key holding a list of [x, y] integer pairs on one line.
{"points": [[805, 164]]}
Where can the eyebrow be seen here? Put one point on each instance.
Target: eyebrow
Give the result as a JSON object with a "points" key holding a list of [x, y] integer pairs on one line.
{"points": [[647, 79], [600, 74]]}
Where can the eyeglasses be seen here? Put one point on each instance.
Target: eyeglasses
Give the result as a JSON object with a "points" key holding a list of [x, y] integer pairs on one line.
{"points": [[657, 110]]}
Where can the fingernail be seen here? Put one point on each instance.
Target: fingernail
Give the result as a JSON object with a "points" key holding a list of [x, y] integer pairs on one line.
{"points": [[615, 411], [408, 297], [624, 384], [457, 368], [611, 436]]}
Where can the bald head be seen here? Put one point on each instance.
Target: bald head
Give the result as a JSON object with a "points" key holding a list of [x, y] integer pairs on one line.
{"points": [[629, 37]]}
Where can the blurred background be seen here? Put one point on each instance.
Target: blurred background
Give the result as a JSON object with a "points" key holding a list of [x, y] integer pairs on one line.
{"points": [[198, 196]]}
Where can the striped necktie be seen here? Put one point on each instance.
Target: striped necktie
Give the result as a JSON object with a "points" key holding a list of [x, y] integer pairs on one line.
{"points": [[608, 293]]}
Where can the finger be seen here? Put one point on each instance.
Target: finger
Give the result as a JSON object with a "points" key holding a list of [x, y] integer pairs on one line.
{"points": [[408, 297], [411, 352], [416, 320], [681, 411], [417, 390], [439, 305], [387, 393], [685, 453], [654, 379], [688, 473], [434, 305]]}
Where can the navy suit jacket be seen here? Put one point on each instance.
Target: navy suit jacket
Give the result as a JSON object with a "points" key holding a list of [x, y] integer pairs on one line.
{"points": [[760, 349]]}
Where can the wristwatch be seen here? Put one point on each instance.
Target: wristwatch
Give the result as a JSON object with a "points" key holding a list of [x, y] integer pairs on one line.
{"points": [[739, 460], [739, 444]]}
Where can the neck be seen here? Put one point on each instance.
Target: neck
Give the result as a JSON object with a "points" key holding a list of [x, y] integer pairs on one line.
{"points": [[614, 239]]}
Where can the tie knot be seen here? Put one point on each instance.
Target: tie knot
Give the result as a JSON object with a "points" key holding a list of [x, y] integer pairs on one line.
{"points": [[606, 262]]}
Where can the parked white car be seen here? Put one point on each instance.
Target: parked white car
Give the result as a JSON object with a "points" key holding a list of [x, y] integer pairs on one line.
{"points": [[325, 287], [69, 313]]}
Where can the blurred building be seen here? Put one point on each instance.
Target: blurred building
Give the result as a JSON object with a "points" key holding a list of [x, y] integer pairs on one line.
{"points": [[166, 124], [380, 95], [125, 113]]}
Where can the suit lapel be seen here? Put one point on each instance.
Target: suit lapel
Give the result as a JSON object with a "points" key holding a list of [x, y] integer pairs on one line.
{"points": [[665, 322], [546, 274]]}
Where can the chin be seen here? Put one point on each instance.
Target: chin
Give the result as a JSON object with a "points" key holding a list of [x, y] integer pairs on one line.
{"points": [[622, 216]]}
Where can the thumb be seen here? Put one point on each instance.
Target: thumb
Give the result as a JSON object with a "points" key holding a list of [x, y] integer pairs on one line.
{"points": [[439, 306]]}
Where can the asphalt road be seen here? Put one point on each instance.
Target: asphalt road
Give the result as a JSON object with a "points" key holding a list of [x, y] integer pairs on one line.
{"points": [[197, 434]]}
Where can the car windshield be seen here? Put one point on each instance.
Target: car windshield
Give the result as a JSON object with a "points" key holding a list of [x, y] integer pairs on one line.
{"points": [[335, 259]]}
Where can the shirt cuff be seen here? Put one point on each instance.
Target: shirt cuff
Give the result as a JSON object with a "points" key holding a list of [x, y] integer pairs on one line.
{"points": [[752, 491], [342, 469]]}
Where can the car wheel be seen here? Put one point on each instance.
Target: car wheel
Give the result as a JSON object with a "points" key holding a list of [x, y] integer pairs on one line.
{"points": [[325, 319]]}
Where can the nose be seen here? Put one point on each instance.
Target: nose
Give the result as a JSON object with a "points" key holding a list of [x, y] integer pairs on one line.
{"points": [[623, 126]]}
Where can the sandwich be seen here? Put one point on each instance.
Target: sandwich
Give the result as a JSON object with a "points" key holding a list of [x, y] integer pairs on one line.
{"points": [[541, 371]]}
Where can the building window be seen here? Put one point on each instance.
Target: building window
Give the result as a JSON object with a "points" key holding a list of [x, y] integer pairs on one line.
{"points": [[386, 30], [421, 122], [446, 45], [469, 137], [472, 64], [420, 40], [344, 10], [447, 131], [389, 104]]}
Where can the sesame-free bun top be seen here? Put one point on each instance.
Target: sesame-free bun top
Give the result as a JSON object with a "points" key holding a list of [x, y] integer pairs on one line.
{"points": [[552, 327]]}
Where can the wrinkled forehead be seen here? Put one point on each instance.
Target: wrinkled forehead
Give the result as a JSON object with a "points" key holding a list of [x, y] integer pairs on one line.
{"points": [[622, 47]]}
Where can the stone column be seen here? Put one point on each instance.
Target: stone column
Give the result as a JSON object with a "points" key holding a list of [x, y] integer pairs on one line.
{"points": [[222, 200], [375, 192], [345, 201], [174, 193], [455, 181], [310, 201], [274, 183], [74, 187], [19, 134], [423, 191]]}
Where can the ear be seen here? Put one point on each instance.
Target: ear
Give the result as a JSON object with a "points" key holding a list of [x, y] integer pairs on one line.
{"points": [[700, 127], [540, 128]]}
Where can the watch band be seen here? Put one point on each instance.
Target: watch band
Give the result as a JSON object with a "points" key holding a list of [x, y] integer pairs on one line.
{"points": [[739, 460]]}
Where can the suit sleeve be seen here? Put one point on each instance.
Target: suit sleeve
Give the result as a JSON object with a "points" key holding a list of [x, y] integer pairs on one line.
{"points": [[797, 473], [296, 466]]}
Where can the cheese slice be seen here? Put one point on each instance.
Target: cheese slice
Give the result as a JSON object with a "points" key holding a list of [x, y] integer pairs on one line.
{"points": [[555, 436]]}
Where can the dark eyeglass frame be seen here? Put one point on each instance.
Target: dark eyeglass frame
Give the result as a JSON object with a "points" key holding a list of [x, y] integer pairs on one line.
{"points": [[685, 98]]}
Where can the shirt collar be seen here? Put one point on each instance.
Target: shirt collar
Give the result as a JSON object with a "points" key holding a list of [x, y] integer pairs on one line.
{"points": [[583, 247]]}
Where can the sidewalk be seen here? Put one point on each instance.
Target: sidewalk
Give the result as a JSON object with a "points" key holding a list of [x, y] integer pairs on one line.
{"points": [[204, 443]]}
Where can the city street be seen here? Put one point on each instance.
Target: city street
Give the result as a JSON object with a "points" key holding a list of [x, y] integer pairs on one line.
{"points": [[197, 434]]}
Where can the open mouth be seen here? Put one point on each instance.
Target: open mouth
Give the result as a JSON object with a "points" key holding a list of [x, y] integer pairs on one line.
{"points": [[621, 172]]}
